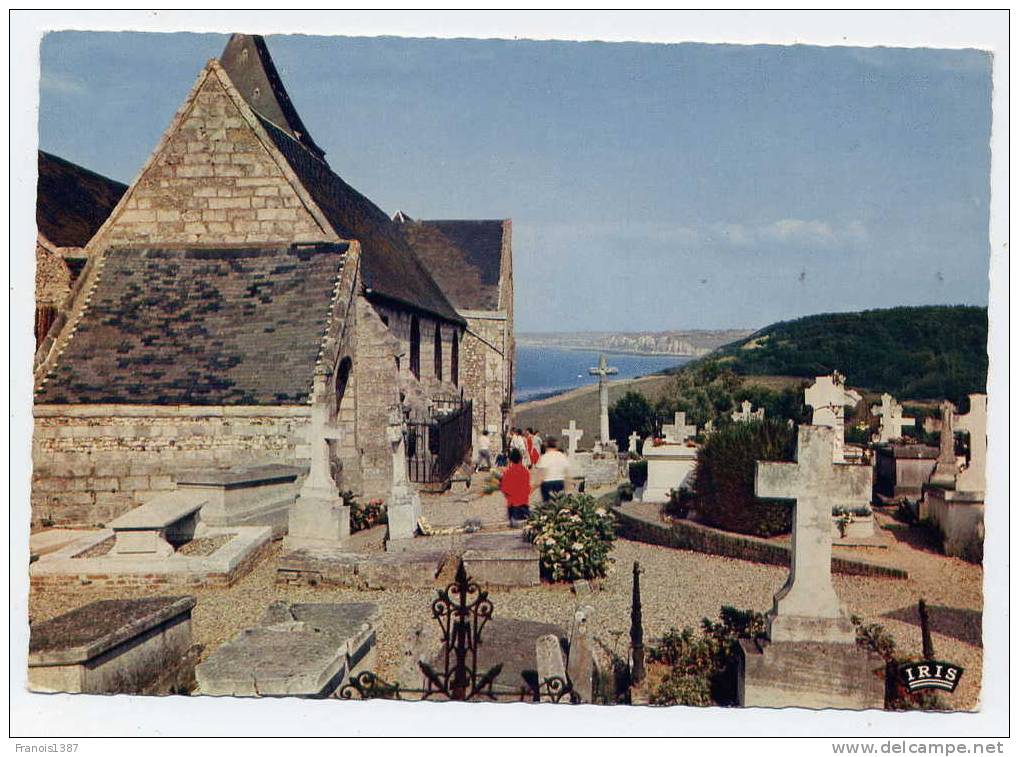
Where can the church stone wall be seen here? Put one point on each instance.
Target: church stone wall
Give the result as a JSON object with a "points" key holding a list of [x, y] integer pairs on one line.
{"points": [[93, 463], [213, 182], [483, 370]]}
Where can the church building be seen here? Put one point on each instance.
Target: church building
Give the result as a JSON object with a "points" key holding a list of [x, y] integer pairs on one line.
{"points": [[238, 286]]}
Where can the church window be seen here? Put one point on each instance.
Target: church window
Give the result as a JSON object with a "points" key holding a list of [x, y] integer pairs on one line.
{"points": [[415, 347], [454, 359], [438, 352]]}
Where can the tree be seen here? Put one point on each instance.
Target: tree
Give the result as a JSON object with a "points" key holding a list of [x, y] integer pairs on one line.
{"points": [[632, 412]]}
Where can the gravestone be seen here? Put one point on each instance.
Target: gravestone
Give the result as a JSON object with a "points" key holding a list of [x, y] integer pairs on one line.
{"points": [[548, 652], [892, 419], [603, 371], [302, 650], [581, 665], [634, 440], [746, 413], [973, 478], [828, 397], [319, 517], [709, 428], [114, 646], [678, 432], [947, 466], [404, 506], [572, 436], [810, 657]]}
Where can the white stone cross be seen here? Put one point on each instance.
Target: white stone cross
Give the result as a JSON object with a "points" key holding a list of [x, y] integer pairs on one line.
{"points": [[973, 477], [603, 371], [633, 439], [573, 435], [320, 433], [709, 427], [828, 397], [807, 607], [892, 419], [678, 432], [746, 414], [397, 440]]}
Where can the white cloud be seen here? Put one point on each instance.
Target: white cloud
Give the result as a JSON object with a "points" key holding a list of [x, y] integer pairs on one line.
{"points": [[63, 85]]}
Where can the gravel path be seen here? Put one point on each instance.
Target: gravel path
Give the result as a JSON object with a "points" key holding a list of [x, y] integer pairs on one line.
{"points": [[678, 587]]}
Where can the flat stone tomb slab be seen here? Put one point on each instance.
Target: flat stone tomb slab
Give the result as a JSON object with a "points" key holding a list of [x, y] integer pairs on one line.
{"points": [[111, 646], [242, 548], [305, 650], [154, 527], [44, 542], [380, 570], [255, 496], [502, 559]]}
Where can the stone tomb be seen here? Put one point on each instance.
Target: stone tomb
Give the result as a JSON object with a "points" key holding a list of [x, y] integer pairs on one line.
{"points": [[669, 464], [300, 650], [157, 527], [257, 496], [114, 646], [901, 470], [810, 657]]}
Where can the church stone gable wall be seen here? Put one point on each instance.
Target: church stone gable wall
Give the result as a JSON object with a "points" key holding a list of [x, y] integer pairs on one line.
{"points": [[52, 278], [375, 381], [93, 463], [213, 182], [483, 374]]}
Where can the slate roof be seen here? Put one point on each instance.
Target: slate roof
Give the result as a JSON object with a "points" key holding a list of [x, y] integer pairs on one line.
{"points": [[72, 202], [465, 257], [201, 326], [390, 268]]}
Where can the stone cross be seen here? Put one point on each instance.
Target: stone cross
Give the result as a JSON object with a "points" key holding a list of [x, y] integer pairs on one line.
{"points": [[572, 435], [603, 371], [634, 438], [945, 469], [678, 432], [892, 419], [709, 427], [807, 607], [320, 433], [973, 477], [828, 397], [746, 414], [397, 441], [403, 510]]}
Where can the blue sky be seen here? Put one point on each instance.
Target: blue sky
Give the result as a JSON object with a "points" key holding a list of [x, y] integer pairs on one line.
{"points": [[651, 187]]}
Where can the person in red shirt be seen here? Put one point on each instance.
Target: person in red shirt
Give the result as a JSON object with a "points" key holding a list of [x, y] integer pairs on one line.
{"points": [[516, 487]]}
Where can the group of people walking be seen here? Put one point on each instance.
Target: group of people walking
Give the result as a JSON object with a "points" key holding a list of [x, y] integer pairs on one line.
{"points": [[551, 470]]}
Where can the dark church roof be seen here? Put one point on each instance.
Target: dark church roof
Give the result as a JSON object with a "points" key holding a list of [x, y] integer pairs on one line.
{"points": [[391, 270], [201, 326], [465, 257], [72, 202]]}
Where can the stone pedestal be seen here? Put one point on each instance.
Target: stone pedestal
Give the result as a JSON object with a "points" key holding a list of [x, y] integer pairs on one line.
{"points": [[317, 521], [814, 675], [402, 513], [959, 516], [667, 466]]}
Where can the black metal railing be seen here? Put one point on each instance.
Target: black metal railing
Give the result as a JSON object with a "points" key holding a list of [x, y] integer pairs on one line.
{"points": [[438, 441]]}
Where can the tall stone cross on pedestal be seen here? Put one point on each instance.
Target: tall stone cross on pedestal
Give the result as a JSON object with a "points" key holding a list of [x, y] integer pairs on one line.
{"points": [[318, 517], [892, 419], [572, 436], [807, 607], [603, 371], [828, 397], [946, 469], [678, 432], [973, 477], [403, 510]]}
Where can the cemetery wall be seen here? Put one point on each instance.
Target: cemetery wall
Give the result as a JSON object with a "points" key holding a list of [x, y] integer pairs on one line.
{"points": [[92, 463], [484, 372], [698, 538], [213, 181]]}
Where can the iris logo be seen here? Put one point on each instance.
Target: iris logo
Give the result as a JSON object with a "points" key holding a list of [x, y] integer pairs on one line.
{"points": [[930, 674]]}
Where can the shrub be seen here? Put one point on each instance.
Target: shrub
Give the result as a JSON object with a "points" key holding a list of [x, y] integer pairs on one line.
{"points": [[703, 668], [638, 473], [574, 535], [725, 477]]}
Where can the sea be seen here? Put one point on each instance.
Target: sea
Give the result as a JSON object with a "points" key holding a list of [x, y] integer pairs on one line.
{"points": [[544, 371]]}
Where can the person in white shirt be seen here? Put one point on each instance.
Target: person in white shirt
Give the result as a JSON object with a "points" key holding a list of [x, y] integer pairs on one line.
{"points": [[484, 451], [553, 469]]}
